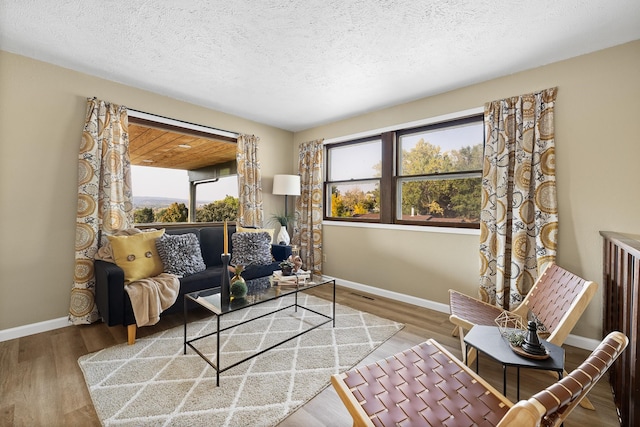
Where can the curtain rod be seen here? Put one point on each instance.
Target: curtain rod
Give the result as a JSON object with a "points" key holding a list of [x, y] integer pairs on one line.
{"points": [[180, 123]]}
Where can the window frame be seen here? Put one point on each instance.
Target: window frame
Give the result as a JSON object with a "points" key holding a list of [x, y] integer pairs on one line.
{"points": [[327, 184], [197, 176], [390, 179]]}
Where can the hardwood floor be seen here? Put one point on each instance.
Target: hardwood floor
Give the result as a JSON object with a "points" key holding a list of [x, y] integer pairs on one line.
{"points": [[41, 383]]}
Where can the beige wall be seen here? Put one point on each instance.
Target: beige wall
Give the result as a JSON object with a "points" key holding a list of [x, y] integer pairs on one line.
{"points": [[597, 127], [597, 148], [42, 110]]}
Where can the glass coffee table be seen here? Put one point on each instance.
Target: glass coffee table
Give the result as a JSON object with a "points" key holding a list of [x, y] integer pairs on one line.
{"points": [[210, 299]]}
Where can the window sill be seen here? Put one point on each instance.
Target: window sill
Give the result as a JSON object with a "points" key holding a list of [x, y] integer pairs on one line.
{"points": [[401, 227]]}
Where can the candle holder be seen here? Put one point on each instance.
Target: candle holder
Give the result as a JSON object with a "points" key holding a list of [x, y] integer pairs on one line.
{"points": [[224, 281]]}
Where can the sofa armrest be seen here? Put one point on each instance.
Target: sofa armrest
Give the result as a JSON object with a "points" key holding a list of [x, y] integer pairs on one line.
{"points": [[110, 293], [280, 252]]}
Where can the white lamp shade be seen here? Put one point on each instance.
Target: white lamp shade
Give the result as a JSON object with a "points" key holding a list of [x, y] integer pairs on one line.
{"points": [[288, 185]]}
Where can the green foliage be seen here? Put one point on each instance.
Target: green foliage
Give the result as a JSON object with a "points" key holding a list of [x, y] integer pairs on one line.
{"points": [[282, 219], [143, 216], [176, 212], [219, 210], [354, 202], [449, 198]]}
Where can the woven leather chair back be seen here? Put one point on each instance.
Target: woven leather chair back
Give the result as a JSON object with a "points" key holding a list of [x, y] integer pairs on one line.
{"points": [[553, 295]]}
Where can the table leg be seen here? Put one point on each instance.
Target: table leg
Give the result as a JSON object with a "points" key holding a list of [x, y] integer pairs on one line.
{"points": [[218, 352], [334, 304], [504, 380], [518, 382], [185, 326]]}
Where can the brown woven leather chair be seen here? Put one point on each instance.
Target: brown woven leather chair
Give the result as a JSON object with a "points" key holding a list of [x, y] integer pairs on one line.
{"points": [[557, 299], [427, 385]]}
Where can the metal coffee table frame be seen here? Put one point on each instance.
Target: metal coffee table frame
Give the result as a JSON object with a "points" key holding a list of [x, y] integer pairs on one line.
{"points": [[210, 299]]}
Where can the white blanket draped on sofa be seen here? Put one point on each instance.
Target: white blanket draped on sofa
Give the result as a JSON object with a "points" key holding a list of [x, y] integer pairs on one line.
{"points": [[149, 297]]}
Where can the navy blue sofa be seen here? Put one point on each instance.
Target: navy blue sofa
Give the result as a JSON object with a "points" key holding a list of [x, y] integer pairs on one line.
{"points": [[113, 301]]}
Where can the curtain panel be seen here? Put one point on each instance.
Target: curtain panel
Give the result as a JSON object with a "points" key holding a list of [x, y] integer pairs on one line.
{"points": [[308, 214], [251, 212], [519, 214], [104, 197]]}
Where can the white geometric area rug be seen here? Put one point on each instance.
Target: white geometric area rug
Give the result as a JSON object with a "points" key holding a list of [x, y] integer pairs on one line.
{"points": [[152, 383]]}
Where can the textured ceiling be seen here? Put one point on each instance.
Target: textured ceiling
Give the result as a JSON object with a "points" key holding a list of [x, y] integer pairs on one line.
{"points": [[298, 64]]}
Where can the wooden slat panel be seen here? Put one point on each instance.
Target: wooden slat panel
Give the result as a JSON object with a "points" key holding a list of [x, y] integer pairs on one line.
{"points": [[150, 146], [621, 275]]}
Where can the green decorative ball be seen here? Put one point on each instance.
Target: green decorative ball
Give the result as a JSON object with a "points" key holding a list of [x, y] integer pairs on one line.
{"points": [[238, 288]]}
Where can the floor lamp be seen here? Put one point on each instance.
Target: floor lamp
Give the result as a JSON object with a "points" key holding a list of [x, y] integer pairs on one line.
{"points": [[286, 185]]}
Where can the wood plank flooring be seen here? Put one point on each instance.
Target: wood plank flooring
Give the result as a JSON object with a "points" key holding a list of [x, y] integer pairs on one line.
{"points": [[41, 383]]}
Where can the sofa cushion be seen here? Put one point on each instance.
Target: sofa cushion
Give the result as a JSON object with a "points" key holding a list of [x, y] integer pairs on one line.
{"points": [[180, 254], [271, 231], [254, 271], [211, 245], [251, 248], [137, 255]]}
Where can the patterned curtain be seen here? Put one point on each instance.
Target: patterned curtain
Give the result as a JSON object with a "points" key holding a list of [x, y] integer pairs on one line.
{"points": [[104, 197], [519, 216], [249, 182], [307, 233]]}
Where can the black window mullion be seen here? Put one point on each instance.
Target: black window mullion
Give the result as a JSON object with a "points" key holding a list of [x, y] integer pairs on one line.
{"points": [[387, 189]]}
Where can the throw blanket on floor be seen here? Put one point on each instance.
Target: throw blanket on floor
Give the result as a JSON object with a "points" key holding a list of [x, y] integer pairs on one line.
{"points": [[149, 297]]}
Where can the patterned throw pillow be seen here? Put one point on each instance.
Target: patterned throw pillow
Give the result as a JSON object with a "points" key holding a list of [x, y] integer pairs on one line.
{"points": [[180, 254], [251, 248]]}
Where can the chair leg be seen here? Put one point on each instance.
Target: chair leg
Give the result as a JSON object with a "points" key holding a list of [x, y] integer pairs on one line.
{"points": [[454, 333], [131, 334], [467, 357], [586, 404], [471, 356]]}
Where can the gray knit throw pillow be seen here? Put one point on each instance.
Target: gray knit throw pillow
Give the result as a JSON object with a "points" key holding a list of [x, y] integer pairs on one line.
{"points": [[180, 254], [251, 248]]}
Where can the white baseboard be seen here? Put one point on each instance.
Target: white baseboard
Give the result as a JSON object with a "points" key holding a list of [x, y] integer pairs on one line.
{"points": [[572, 340], [33, 328], [49, 325], [582, 342]]}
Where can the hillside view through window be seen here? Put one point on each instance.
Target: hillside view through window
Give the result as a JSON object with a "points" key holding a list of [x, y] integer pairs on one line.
{"points": [[162, 195]]}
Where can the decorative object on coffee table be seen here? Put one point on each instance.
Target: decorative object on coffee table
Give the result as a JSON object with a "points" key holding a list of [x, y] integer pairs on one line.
{"points": [[531, 344], [225, 296], [297, 262], [238, 285], [287, 267], [511, 328], [224, 279]]}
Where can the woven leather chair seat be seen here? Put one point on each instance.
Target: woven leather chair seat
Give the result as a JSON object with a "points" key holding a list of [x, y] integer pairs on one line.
{"points": [[427, 386]]}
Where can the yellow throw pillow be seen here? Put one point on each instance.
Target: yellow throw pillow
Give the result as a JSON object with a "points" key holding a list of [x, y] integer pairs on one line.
{"points": [[137, 255], [241, 229]]}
